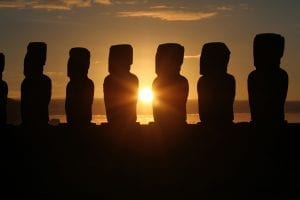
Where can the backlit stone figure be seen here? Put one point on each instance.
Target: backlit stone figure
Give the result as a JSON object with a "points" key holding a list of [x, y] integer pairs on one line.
{"points": [[268, 83], [3, 92], [36, 87], [80, 89], [120, 86], [169, 87], [216, 88]]}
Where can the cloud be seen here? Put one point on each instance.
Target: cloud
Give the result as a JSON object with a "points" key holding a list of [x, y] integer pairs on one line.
{"points": [[51, 4], [169, 15], [244, 6], [54, 73], [12, 4], [129, 2], [192, 56], [225, 8], [160, 7], [50, 7], [105, 2], [159, 11]]}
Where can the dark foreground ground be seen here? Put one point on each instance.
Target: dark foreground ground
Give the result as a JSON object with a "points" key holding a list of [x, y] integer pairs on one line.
{"points": [[150, 162]]}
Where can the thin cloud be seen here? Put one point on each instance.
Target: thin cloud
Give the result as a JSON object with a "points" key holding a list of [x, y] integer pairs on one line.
{"points": [[51, 5], [244, 6], [54, 73], [132, 2], [12, 4], [169, 15], [77, 3], [104, 2], [192, 56], [225, 8], [160, 7]]}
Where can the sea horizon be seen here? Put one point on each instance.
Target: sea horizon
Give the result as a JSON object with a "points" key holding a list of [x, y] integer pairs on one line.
{"points": [[57, 106], [144, 111], [191, 118]]}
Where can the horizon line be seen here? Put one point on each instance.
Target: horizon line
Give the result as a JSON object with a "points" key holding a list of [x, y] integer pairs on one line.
{"points": [[189, 99]]}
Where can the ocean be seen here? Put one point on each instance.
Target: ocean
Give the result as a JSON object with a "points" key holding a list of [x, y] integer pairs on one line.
{"points": [[241, 110], [191, 118], [57, 112]]}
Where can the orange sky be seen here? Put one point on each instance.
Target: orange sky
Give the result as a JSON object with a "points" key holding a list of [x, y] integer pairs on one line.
{"points": [[97, 24]]}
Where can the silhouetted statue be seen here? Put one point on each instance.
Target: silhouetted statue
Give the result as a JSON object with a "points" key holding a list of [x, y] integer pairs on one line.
{"points": [[268, 84], [3, 92], [120, 86], [169, 87], [216, 88], [80, 89], [36, 87]]}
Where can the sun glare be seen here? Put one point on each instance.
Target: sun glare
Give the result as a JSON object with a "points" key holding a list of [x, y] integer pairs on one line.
{"points": [[145, 95]]}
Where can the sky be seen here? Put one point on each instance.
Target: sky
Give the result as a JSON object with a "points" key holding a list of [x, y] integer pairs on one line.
{"points": [[98, 24]]}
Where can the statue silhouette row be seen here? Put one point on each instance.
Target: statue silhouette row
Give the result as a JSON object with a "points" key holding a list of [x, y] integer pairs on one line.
{"points": [[267, 85]]}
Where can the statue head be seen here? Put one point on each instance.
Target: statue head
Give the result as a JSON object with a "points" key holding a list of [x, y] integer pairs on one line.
{"points": [[79, 62], [2, 62], [35, 58], [214, 58], [120, 58], [168, 59], [268, 50]]}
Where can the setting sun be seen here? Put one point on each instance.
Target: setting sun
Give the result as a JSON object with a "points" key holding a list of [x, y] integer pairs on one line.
{"points": [[145, 95]]}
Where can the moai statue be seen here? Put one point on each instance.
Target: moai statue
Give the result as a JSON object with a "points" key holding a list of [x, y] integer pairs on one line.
{"points": [[36, 87], [268, 83], [120, 86], [3, 92], [216, 88], [169, 87], [80, 89]]}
